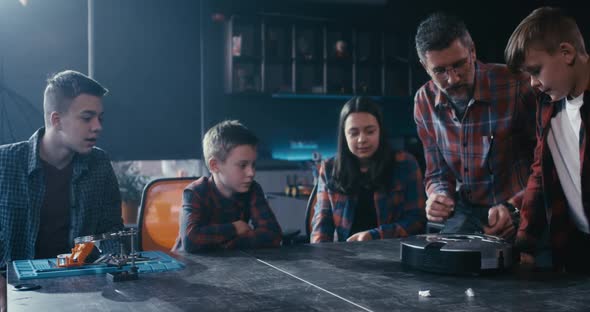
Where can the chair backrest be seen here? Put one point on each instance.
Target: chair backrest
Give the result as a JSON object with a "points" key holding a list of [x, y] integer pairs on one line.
{"points": [[159, 211], [310, 210]]}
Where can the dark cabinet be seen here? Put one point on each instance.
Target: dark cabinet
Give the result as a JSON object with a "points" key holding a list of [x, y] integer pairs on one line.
{"points": [[244, 57], [295, 56]]}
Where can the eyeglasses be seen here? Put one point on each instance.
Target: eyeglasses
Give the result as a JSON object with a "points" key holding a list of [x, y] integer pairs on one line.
{"points": [[459, 67]]}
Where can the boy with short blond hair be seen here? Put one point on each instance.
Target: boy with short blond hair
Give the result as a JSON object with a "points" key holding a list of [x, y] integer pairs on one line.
{"points": [[549, 46], [217, 211]]}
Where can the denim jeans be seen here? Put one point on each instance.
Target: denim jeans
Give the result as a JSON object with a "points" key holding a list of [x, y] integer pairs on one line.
{"points": [[467, 218]]}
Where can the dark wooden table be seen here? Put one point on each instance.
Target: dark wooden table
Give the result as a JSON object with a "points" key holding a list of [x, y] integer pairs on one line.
{"points": [[325, 277]]}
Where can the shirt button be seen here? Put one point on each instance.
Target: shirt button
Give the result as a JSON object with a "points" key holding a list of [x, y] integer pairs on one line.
{"points": [[466, 170], [464, 143]]}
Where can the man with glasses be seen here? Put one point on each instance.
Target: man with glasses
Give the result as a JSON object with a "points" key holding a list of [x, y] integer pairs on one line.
{"points": [[476, 123]]}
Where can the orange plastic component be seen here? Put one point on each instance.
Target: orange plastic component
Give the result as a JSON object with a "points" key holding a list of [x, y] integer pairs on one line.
{"points": [[77, 257], [160, 209]]}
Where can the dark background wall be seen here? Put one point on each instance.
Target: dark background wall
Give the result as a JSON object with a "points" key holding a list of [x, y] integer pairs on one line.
{"points": [[147, 53], [35, 41]]}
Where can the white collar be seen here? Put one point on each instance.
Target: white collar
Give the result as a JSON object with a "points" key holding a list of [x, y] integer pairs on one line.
{"points": [[575, 103]]}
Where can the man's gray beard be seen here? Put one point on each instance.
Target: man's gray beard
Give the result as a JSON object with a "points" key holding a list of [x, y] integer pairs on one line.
{"points": [[465, 98]]}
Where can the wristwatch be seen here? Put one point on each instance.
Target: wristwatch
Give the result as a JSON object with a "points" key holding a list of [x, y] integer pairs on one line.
{"points": [[514, 213], [511, 208]]}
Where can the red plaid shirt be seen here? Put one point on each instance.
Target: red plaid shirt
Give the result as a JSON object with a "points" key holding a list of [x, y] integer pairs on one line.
{"points": [[486, 156], [400, 209], [206, 219], [544, 201]]}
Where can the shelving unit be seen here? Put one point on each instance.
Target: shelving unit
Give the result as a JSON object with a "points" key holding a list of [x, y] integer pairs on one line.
{"points": [[290, 57]]}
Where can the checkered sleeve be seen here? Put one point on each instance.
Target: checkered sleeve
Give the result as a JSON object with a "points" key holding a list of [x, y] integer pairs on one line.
{"points": [[3, 216], [9, 166], [526, 108], [532, 215], [197, 230], [322, 223], [111, 213], [2, 245], [267, 232], [438, 177], [411, 210]]}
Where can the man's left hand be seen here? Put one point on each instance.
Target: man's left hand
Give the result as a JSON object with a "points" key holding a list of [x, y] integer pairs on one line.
{"points": [[500, 222], [360, 237]]}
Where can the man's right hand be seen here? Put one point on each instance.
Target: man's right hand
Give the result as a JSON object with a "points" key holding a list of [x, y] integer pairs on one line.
{"points": [[241, 227], [439, 207]]}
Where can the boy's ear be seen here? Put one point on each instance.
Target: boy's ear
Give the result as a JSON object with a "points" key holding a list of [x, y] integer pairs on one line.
{"points": [[55, 120], [213, 164], [568, 51]]}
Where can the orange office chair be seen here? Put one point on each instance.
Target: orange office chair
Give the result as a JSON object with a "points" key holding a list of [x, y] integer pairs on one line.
{"points": [[159, 211]]}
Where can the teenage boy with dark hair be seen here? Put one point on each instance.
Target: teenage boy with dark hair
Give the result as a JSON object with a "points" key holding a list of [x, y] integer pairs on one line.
{"points": [[57, 185]]}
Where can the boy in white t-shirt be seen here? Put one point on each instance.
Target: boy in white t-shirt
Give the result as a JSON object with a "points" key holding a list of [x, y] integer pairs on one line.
{"points": [[549, 46]]}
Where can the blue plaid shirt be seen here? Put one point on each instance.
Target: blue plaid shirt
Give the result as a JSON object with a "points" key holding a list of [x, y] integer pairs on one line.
{"points": [[94, 197]]}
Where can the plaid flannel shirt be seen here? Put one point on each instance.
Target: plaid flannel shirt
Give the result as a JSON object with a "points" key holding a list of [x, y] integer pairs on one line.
{"points": [[206, 219], [94, 197], [485, 157], [400, 209], [544, 201]]}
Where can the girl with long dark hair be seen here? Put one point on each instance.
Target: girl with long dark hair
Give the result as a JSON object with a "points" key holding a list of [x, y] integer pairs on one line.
{"points": [[367, 191]]}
